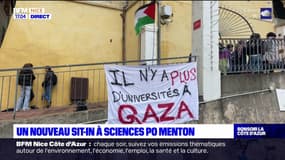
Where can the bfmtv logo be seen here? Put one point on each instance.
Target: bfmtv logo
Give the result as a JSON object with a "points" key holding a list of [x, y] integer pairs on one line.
{"points": [[266, 13]]}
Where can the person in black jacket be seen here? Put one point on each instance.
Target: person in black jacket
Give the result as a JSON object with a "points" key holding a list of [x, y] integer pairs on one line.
{"points": [[25, 80], [255, 51], [239, 56], [48, 85]]}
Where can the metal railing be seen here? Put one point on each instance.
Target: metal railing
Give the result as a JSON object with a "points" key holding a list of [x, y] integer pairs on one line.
{"points": [[255, 56], [10, 89]]}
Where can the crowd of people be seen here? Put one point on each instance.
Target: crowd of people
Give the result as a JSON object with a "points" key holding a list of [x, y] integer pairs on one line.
{"points": [[253, 55], [26, 78]]}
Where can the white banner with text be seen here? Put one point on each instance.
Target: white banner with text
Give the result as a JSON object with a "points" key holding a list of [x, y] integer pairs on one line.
{"points": [[152, 94]]}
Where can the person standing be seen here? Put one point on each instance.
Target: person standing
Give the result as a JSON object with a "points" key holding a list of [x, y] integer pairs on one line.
{"points": [[239, 56], [48, 83], [25, 80], [255, 51], [271, 55], [224, 58]]}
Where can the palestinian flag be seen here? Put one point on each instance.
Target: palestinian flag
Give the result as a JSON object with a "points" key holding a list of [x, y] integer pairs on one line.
{"points": [[144, 15]]}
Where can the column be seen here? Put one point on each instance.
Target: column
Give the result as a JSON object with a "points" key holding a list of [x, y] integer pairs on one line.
{"points": [[205, 40]]}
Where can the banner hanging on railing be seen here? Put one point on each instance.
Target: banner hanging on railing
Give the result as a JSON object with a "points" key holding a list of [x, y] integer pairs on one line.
{"points": [[152, 94]]}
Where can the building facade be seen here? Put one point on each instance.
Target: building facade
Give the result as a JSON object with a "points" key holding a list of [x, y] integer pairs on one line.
{"points": [[90, 32]]}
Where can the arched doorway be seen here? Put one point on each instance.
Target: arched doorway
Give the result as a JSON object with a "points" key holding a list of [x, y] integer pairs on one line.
{"points": [[233, 25]]}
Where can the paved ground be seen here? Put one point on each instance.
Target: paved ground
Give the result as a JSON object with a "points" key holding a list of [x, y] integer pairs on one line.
{"points": [[4, 116]]}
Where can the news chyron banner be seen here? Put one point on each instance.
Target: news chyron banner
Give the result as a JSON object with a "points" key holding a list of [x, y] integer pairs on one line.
{"points": [[122, 131], [148, 131], [152, 94], [145, 142]]}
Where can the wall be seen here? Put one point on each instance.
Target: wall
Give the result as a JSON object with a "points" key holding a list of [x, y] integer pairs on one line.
{"points": [[64, 40], [175, 37], [112, 4], [77, 33], [132, 40], [61, 92], [253, 108]]}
